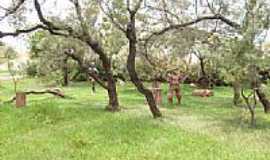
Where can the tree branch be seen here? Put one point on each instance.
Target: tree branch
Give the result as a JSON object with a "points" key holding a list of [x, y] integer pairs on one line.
{"points": [[110, 16], [52, 28], [12, 10], [179, 26], [22, 31], [79, 15], [85, 68], [137, 6], [163, 10]]}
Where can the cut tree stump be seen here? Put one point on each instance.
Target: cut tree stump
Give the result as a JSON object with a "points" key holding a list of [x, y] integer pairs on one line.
{"points": [[20, 99]]}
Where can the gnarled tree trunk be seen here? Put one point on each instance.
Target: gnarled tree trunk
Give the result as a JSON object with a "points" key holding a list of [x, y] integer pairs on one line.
{"points": [[131, 67], [111, 84]]}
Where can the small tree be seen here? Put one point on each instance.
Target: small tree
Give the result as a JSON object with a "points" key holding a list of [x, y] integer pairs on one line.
{"points": [[10, 54]]}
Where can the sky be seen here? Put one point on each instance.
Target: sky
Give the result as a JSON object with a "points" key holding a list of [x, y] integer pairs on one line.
{"points": [[59, 8], [20, 43]]}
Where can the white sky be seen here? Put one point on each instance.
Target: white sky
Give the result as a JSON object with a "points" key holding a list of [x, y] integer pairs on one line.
{"points": [[58, 8]]}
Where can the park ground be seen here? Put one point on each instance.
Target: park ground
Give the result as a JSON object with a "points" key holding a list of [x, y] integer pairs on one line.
{"points": [[79, 128]]}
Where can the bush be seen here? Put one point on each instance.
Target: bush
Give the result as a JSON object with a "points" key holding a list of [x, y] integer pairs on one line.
{"points": [[31, 69]]}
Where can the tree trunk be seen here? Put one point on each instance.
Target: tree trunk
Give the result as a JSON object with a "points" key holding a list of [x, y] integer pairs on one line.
{"points": [[113, 98], [131, 67], [65, 71], [263, 99], [252, 120], [106, 64], [251, 107], [237, 93], [202, 67], [111, 85]]}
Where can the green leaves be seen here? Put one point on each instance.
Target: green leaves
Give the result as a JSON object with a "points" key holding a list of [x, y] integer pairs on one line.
{"points": [[6, 53]]}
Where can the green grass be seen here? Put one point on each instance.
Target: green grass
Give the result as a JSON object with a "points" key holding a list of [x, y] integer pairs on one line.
{"points": [[59, 129], [4, 73]]}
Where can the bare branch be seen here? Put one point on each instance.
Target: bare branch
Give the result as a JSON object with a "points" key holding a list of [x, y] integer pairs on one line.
{"points": [[12, 10], [128, 6], [22, 31], [137, 6], [85, 68], [79, 15], [52, 28], [110, 16], [164, 8], [168, 12], [200, 19], [211, 7]]}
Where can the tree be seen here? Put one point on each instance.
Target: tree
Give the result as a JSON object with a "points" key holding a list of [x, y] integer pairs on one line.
{"points": [[85, 36], [128, 24], [242, 56], [8, 54], [82, 33], [47, 53]]}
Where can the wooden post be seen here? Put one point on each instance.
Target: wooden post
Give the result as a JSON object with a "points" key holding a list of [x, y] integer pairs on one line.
{"points": [[20, 99]]}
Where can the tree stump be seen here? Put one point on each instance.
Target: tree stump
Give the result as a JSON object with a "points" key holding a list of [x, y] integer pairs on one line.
{"points": [[20, 99]]}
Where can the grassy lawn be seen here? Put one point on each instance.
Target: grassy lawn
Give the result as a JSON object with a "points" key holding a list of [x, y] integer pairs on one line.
{"points": [[58, 129]]}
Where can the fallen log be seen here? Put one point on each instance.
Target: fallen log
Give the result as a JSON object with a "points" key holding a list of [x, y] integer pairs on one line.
{"points": [[202, 92], [56, 92]]}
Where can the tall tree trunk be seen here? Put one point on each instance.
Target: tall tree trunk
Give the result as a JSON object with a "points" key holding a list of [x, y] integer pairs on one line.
{"points": [[106, 64], [236, 93], [131, 67], [112, 92], [65, 71], [252, 120]]}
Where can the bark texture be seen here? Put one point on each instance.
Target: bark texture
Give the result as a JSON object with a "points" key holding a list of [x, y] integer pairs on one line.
{"points": [[131, 67]]}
